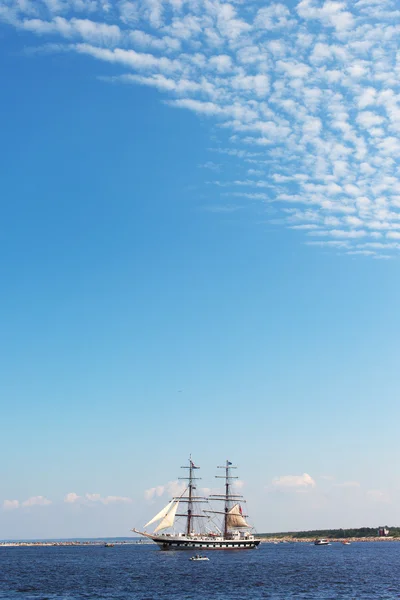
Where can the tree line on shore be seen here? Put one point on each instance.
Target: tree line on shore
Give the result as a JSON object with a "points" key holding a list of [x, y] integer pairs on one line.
{"points": [[359, 532]]}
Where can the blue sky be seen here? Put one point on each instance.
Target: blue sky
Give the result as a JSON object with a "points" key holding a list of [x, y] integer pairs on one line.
{"points": [[200, 229]]}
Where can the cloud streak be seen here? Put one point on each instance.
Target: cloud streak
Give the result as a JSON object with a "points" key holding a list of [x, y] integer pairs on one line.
{"points": [[308, 95], [170, 489], [33, 501], [90, 499], [293, 482], [107, 499], [37, 501], [10, 504], [71, 498]]}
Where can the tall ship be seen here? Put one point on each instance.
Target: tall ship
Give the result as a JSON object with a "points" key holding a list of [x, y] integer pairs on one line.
{"points": [[191, 522]]}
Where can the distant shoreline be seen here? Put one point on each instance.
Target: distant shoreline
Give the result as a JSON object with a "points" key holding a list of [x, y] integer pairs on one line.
{"points": [[290, 539], [49, 543], [101, 543]]}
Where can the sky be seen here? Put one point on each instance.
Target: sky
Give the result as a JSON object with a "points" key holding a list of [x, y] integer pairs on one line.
{"points": [[200, 232]]}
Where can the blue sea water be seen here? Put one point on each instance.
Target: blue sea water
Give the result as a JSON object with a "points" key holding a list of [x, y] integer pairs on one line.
{"points": [[285, 571]]}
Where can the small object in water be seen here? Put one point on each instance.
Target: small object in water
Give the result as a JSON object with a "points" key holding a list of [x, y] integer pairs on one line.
{"points": [[322, 542], [346, 543], [108, 545], [198, 557]]}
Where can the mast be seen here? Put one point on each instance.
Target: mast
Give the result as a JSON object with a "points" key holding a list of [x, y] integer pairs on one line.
{"points": [[227, 498], [190, 494], [228, 477], [191, 497]]}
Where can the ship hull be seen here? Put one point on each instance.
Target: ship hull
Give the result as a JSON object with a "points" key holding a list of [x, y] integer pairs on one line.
{"points": [[186, 544]]}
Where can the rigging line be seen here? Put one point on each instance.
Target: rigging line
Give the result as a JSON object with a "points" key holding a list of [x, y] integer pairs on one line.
{"points": [[184, 491]]}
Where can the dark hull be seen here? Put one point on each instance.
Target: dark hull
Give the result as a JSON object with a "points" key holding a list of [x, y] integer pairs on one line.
{"points": [[176, 544]]}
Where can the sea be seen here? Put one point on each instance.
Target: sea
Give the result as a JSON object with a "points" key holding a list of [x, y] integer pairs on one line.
{"points": [[362, 570]]}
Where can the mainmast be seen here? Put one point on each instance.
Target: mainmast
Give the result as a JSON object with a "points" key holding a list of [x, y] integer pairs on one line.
{"points": [[191, 497], [228, 497], [233, 517]]}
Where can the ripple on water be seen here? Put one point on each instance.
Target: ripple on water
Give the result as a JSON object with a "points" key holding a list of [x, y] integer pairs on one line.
{"points": [[292, 571]]}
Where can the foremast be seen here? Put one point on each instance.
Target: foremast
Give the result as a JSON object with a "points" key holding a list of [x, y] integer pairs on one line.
{"points": [[191, 499]]}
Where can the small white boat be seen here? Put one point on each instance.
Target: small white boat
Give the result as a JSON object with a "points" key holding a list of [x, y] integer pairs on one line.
{"points": [[322, 542], [346, 543], [198, 557]]}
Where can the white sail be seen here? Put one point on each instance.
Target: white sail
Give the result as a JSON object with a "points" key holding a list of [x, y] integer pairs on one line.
{"points": [[161, 514], [235, 519], [168, 520]]}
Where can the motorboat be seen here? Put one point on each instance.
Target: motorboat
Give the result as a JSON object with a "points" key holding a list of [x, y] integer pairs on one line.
{"points": [[198, 557], [322, 542]]}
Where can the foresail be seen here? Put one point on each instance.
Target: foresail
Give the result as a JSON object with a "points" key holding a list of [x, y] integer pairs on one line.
{"points": [[163, 513], [169, 518], [235, 520]]}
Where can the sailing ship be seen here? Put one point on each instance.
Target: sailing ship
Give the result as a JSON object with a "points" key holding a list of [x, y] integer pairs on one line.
{"points": [[223, 528]]}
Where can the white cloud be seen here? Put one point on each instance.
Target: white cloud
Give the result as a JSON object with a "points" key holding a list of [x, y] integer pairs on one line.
{"points": [[272, 17], [145, 40], [10, 504], [90, 31], [367, 119], [313, 88], [154, 492], [170, 489], [293, 482], [71, 498], [212, 166], [221, 63], [239, 484], [168, 84], [331, 14], [116, 500], [93, 497], [129, 12], [258, 84], [206, 108], [366, 97], [130, 58], [97, 498], [36, 501]]}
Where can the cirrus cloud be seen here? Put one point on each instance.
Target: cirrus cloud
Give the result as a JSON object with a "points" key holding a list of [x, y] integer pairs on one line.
{"points": [[312, 86]]}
